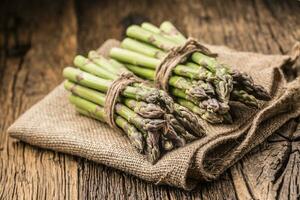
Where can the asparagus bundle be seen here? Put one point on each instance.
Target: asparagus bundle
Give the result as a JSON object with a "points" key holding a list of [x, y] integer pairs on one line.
{"points": [[149, 117], [202, 85]]}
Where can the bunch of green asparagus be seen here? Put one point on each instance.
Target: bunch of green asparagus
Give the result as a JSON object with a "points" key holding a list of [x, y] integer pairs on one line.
{"points": [[201, 84], [152, 121]]}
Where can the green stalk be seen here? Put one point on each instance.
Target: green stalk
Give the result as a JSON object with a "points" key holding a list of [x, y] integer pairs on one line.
{"points": [[168, 29], [239, 95], [89, 107], [134, 54], [153, 146], [142, 124], [189, 120], [88, 114], [211, 117], [150, 27], [102, 85], [140, 91], [86, 93], [141, 72], [241, 79], [134, 58], [86, 79], [175, 81], [224, 84], [88, 66], [139, 59], [181, 89], [92, 110], [179, 128], [180, 93], [106, 64], [245, 98], [146, 110], [142, 48], [157, 40]]}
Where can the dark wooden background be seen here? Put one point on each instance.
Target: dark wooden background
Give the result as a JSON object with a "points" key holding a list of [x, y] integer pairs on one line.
{"points": [[38, 38]]}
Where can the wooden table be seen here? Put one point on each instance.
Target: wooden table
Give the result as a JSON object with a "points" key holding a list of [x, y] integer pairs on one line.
{"points": [[39, 38]]}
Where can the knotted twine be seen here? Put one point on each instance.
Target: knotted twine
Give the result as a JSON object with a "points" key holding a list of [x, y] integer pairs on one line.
{"points": [[175, 56], [113, 93]]}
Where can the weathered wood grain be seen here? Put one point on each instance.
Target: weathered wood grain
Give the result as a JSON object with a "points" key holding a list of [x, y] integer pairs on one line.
{"points": [[39, 38]]}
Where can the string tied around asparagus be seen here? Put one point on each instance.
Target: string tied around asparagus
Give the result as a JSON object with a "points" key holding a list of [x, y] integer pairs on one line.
{"points": [[175, 56], [114, 92]]}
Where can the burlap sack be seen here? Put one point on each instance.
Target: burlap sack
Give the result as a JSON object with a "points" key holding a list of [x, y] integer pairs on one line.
{"points": [[53, 124]]}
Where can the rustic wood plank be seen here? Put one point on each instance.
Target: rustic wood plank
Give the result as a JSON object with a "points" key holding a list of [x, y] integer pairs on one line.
{"points": [[32, 64], [271, 171], [42, 39]]}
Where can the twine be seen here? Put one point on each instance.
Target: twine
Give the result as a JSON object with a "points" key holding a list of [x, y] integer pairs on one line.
{"points": [[175, 56], [113, 93]]}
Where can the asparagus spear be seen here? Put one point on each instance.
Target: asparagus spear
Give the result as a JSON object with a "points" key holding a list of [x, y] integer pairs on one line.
{"points": [[188, 120], [99, 60], [142, 48], [143, 124], [150, 95], [153, 148], [194, 94], [244, 97], [240, 78], [224, 82], [149, 37], [148, 73], [136, 138], [246, 83], [149, 127], [147, 50], [239, 95], [171, 134], [168, 29], [133, 56], [208, 116], [169, 35], [166, 101], [179, 128], [146, 110], [139, 59], [131, 92], [102, 85], [92, 110]]}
